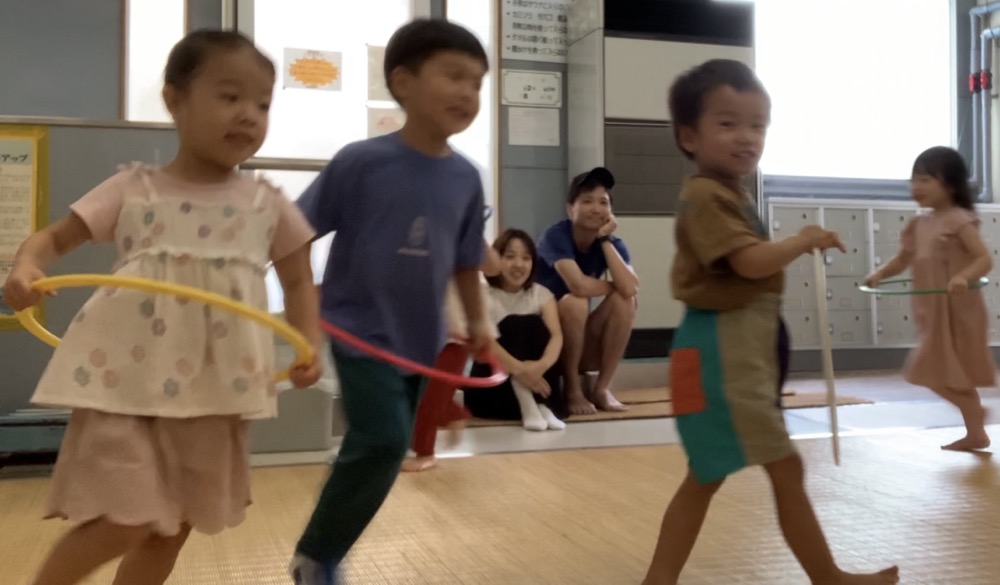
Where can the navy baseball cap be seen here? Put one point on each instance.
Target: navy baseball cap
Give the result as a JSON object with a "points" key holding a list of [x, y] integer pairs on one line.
{"points": [[585, 182]]}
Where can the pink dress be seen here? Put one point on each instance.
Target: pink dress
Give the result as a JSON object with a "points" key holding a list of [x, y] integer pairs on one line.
{"points": [[162, 389], [953, 349]]}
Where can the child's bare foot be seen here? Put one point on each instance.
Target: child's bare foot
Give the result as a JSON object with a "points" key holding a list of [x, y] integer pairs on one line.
{"points": [[455, 431], [888, 576], [416, 464], [606, 401], [974, 442]]}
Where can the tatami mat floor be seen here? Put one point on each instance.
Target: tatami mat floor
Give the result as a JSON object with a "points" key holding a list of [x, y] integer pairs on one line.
{"points": [[583, 506], [591, 517], [898, 406]]}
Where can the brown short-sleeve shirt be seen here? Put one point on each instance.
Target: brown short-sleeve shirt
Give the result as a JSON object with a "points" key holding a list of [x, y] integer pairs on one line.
{"points": [[715, 220]]}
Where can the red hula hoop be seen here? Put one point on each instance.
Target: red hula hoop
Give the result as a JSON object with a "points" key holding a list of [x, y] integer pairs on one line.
{"points": [[498, 377]]}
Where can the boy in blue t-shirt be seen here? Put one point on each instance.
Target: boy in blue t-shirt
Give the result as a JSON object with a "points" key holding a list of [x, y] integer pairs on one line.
{"points": [[408, 216]]}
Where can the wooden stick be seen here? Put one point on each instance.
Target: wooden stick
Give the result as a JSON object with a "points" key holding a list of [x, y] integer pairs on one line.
{"points": [[826, 341]]}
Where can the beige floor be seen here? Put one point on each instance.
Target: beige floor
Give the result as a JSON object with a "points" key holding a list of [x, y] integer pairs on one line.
{"points": [[591, 517]]}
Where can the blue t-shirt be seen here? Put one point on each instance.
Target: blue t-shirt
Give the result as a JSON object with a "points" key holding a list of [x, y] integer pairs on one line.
{"points": [[404, 223], [557, 244]]}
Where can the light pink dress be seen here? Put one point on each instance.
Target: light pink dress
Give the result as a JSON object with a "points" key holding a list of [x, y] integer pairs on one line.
{"points": [[162, 389], [953, 349]]}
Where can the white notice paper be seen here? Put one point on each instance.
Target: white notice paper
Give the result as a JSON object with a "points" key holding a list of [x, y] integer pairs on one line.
{"points": [[533, 126], [534, 30], [532, 88], [17, 197]]}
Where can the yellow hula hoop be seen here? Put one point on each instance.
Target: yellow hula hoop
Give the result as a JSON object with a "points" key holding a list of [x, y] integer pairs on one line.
{"points": [[303, 349]]}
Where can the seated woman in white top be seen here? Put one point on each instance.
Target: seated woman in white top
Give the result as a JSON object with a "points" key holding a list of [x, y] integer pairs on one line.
{"points": [[529, 344]]}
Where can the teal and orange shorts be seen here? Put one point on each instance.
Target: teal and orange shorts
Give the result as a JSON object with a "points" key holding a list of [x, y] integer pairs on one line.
{"points": [[726, 374]]}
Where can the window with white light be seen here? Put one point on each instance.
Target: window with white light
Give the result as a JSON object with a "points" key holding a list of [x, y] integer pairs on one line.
{"points": [[478, 143], [152, 27], [859, 88], [316, 122]]}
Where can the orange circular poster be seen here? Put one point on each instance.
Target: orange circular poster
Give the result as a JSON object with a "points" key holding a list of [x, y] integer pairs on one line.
{"points": [[314, 71]]}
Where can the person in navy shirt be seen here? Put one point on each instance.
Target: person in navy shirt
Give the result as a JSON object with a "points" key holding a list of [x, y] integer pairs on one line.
{"points": [[408, 217], [575, 256]]}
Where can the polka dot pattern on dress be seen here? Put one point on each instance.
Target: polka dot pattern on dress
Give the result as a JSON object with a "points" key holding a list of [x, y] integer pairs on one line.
{"points": [[184, 367], [98, 358], [110, 379], [171, 387], [147, 308], [81, 376], [219, 330]]}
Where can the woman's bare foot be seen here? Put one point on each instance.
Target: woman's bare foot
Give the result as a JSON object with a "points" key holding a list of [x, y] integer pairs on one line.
{"points": [[416, 464], [606, 401], [578, 404], [888, 576], [969, 443]]}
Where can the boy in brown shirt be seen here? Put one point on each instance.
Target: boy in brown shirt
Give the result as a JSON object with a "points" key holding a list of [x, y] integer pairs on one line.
{"points": [[726, 365]]}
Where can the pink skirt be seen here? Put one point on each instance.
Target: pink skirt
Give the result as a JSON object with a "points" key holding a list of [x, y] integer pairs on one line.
{"points": [[954, 349], [160, 472]]}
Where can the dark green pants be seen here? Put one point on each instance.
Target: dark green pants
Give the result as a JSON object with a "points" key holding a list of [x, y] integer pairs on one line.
{"points": [[380, 404]]}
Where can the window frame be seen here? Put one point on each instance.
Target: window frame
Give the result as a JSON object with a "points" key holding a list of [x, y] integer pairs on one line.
{"points": [[239, 14]]}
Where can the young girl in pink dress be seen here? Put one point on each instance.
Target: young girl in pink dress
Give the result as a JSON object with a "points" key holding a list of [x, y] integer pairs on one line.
{"points": [[945, 251], [162, 389]]}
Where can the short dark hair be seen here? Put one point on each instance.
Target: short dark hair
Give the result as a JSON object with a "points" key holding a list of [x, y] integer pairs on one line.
{"points": [[947, 166], [687, 94], [502, 243], [190, 53], [587, 182], [420, 39]]}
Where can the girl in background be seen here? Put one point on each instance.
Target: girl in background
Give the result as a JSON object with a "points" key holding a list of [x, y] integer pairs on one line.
{"points": [[944, 250]]}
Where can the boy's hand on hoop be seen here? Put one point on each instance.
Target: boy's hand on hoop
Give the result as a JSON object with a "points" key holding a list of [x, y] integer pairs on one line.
{"points": [[958, 285]]}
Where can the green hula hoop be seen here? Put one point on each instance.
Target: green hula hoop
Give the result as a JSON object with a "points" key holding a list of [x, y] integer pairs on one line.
{"points": [[926, 291]]}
